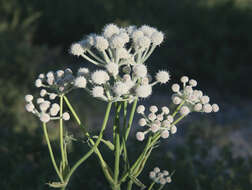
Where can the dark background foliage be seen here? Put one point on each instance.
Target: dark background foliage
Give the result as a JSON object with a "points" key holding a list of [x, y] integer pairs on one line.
{"points": [[206, 39]]}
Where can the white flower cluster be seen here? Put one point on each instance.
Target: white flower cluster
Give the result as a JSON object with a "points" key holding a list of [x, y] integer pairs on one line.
{"points": [[192, 99], [117, 45], [156, 122], [160, 177], [47, 111], [121, 53], [133, 83], [59, 82]]}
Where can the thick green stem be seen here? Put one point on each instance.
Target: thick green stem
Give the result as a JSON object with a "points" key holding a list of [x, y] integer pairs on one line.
{"points": [[78, 163], [117, 144], [51, 153], [102, 161]]}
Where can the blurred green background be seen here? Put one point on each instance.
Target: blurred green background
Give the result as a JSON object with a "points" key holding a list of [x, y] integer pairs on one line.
{"points": [[208, 40]]}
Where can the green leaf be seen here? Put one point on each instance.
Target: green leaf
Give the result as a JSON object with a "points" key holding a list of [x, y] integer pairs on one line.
{"points": [[107, 143]]}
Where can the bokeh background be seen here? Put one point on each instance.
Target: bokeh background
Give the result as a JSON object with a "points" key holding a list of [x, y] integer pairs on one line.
{"points": [[209, 40]]}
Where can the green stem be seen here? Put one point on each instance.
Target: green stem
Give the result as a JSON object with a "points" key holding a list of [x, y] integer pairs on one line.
{"points": [[153, 183], [102, 161], [129, 186], [161, 187], [78, 163], [117, 143], [132, 113], [51, 153], [61, 134], [178, 108]]}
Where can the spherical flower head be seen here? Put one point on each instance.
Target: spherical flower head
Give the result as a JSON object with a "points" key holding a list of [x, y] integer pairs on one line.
{"points": [[170, 118], [143, 42], [38, 83], [166, 123], [142, 122], [29, 107], [147, 30], [117, 42], [153, 109], [154, 127], [40, 100], [100, 77], [83, 71], [66, 116], [193, 82], [52, 96], [152, 174], [175, 87], [123, 53], [101, 43], [184, 110], [80, 82], [43, 92], [124, 36], [160, 117], [140, 136], [76, 49], [207, 108], [60, 73], [198, 107], [98, 91], [143, 91], [168, 179], [165, 134], [156, 170], [204, 99], [184, 79], [120, 88], [162, 181], [136, 35], [215, 108], [152, 116], [165, 110], [44, 106], [112, 68], [162, 77], [54, 111], [173, 129], [157, 38], [140, 70], [28, 98], [41, 76], [109, 30], [176, 100], [91, 39], [140, 109], [44, 117]]}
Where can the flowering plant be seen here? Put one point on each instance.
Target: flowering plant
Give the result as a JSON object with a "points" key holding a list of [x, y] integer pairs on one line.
{"points": [[121, 79]]}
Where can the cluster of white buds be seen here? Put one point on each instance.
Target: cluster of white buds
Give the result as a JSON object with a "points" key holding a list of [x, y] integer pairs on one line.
{"points": [[160, 177], [59, 82], [47, 111], [192, 99], [156, 122], [121, 53]]}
